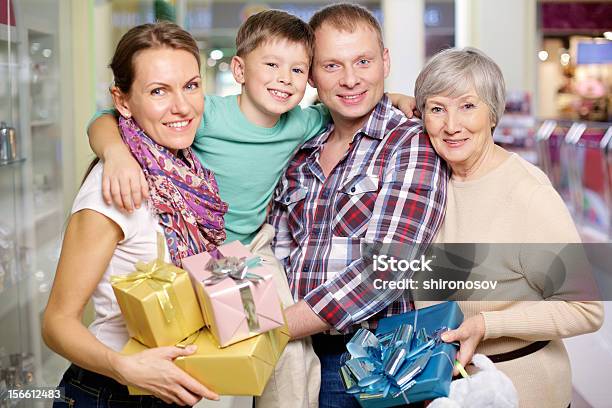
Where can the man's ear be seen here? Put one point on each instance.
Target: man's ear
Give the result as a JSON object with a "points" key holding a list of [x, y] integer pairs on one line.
{"points": [[120, 101], [237, 66], [386, 61]]}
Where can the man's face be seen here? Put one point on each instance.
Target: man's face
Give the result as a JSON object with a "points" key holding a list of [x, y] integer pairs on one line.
{"points": [[348, 71]]}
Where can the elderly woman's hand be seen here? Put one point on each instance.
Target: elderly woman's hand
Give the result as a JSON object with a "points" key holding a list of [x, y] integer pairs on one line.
{"points": [[469, 335]]}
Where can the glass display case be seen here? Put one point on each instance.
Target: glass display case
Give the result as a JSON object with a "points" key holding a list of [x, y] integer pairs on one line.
{"points": [[31, 190]]}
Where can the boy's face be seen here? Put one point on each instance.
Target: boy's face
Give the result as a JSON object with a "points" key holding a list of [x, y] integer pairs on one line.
{"points": [[274, 77]]}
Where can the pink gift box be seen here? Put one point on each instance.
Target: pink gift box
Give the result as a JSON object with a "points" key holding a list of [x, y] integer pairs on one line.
{"points": [[235, 309]]}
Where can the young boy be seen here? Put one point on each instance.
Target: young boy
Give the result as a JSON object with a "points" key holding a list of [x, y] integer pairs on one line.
{"points": [[247, 141]]}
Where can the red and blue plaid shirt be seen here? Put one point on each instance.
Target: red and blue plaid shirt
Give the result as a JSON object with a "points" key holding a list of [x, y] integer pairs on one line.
{"points": [[390, 187]]}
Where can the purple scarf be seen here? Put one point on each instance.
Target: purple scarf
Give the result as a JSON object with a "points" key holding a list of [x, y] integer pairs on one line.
{"points": [[184, 194]]}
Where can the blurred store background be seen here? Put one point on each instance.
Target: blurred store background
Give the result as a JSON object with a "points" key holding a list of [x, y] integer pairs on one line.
{"points": [[556, 57]]}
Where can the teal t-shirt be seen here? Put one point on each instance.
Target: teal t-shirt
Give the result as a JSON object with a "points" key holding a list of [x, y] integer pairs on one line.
{"points": [[248, 160]]}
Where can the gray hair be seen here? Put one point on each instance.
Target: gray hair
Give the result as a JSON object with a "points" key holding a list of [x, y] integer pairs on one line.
{"points": [[454, 71]]}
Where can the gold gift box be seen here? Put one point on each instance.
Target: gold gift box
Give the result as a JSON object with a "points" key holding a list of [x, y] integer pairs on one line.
{"points": [[158, 303], [243, 368]]}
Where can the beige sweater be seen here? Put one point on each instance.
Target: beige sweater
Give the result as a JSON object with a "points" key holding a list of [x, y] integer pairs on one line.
{"points": [[515, 203]]}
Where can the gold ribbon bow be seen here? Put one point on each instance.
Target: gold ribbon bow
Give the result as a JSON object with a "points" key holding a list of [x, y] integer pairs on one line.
{"points": [[159, 277]]}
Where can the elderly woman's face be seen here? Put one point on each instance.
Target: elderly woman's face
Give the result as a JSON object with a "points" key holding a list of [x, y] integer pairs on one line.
{"points": [[166, 98], [459, 128]]}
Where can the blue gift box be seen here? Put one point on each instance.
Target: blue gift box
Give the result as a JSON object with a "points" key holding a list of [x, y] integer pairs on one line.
{"points": [[434, 381]]}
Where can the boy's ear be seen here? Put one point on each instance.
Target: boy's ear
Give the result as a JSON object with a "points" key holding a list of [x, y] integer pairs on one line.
{"points": [[120, 101], [237, 66], [311, 82]]}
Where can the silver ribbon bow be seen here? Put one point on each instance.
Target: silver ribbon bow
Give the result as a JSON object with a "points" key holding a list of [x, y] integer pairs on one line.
{"points": [[232, 267], [237, 269]]}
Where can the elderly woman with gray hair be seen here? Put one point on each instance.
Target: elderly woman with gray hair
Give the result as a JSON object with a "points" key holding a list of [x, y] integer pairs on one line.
{"points": [[495, 196]]}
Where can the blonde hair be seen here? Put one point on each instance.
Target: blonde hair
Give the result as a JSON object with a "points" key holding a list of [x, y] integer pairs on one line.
{"points": [[346, 17], [452, 72]]}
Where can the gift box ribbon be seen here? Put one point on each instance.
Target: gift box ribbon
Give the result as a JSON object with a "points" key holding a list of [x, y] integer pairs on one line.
{"points": [[237, 269], [274, 347], [159, 278], [388, 364]]}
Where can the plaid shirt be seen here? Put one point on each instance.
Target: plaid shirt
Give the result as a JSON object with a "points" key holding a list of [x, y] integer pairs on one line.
{"points": [[390, 187]]}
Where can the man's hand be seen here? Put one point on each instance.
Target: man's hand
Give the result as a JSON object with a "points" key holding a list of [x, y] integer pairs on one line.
{"points": [[405, 103], [469, 335], [123, 181]]}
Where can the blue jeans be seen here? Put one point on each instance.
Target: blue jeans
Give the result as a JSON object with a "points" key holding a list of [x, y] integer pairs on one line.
{"points": [[83, 388], [332, 356], [332, 393]]}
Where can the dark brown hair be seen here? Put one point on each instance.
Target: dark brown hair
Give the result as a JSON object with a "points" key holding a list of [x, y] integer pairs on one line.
{"points": [[346, 17], [145, 36], [272, 25], [152, 35]]}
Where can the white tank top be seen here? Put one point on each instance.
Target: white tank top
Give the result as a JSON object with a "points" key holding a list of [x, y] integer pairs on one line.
{"points": [[139, 244]]}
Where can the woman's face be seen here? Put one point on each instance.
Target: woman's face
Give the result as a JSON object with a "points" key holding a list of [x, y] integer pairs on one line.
{"points": [[459, 128], [166, 97]]}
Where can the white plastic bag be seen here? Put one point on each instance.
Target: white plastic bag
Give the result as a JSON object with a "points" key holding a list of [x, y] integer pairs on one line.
{"points": [[488, 388]]}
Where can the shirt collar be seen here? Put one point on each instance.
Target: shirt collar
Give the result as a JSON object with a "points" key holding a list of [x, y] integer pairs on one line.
{"points": [[383, 116]]}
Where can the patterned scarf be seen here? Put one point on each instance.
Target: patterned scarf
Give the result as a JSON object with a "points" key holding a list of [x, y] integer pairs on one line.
{"points": [[184, 194]]}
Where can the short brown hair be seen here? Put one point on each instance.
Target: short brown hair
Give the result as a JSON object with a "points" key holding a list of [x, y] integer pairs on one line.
{"points": [[272, 25], [346, 17], [146, 36]]}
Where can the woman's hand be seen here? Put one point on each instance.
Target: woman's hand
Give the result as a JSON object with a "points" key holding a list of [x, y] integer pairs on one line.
{"points": [[123, 181], [469, 335], [154, 371]]}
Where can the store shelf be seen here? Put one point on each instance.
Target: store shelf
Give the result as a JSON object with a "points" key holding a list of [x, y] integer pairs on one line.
{"points": [[47, 211], [46, 204], [4, 33], [11, 162], [39, 123]]}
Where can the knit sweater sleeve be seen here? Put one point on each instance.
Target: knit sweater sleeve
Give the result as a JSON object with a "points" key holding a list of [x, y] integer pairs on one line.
{"points": [[557, 270]]}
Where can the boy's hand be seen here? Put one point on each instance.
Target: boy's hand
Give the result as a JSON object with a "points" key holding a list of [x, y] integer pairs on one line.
{"points": [[405, 103], [123, 181]]}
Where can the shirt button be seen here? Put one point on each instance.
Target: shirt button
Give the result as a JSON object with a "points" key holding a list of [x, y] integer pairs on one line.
{"points": [[353, 189], [305, 268], [287, 199]]}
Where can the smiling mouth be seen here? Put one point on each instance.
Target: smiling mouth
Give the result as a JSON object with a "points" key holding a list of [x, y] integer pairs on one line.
{"points": [[352, 97], [279, 95], [178, 125], [455, 142]]}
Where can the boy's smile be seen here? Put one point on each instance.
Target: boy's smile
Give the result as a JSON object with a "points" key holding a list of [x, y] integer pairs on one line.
{"points": [[274, 77]]}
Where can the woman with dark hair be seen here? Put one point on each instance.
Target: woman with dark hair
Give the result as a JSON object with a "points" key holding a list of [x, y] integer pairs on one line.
{"points": [[158, 93]]}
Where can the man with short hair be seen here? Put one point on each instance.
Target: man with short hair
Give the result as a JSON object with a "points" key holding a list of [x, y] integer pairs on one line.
{"points": [[371, 177]]}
